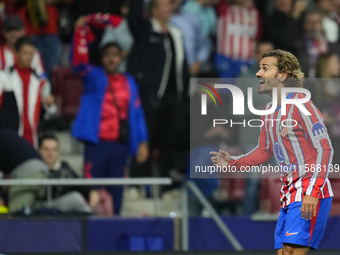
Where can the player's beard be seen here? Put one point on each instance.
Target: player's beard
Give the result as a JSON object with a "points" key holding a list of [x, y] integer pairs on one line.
{"points": [[269, 84]]}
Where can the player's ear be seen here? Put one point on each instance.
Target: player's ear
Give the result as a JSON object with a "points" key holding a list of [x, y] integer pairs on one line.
{"points": [[283, 77]]}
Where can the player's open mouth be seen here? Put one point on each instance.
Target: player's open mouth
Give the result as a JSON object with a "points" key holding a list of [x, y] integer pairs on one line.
{"points": [[262, 82]]}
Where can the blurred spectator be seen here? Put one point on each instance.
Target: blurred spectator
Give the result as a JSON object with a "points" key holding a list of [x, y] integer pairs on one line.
{"points": [[111, 119], [3, 207], [195, 42], [85, 7], [3, 196], [12, 30], [330, 24], [21, 161], [203, 10], [65, 198], [25, 93], [238, 28], [206, 15], [113, 7], [327, 97], [338, 10], [288, 13], [267, 7], [123, 35], [264, 6], [309, 44], [204, 139], [120, 34], [157, 60], [41, 19], [248, 136]]}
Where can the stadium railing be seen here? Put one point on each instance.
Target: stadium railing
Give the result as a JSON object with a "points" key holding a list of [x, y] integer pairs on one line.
{"points": [[214, 215], [155, 182]]}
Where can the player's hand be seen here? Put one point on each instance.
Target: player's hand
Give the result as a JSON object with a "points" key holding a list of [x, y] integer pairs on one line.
{"points": [[220, 158], [308, 208], [142, 153], [49, 100], [94, 198]]}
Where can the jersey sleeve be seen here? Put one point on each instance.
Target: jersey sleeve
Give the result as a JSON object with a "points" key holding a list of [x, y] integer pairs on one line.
{"points": [[259, 155], [314, 128]]}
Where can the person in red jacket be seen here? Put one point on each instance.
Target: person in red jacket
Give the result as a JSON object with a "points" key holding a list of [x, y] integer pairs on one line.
{"points": [[238, 28]]}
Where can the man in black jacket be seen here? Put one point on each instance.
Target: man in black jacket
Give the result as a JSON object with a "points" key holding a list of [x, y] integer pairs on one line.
{"points": [[287, 14], [157, 60], [309, 43], [65, 198], [20, 160]]}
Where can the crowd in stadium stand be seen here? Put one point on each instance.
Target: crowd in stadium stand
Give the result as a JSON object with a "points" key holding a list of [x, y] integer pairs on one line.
{"points": [[134, 59]]}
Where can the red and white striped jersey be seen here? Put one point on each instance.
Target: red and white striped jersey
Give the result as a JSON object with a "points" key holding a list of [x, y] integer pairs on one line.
{"points": [[238, 28], [28, 95], [296, 150], [7, 60]]}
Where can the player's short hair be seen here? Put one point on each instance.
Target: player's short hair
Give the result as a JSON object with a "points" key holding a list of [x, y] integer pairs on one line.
{"points": [[47, 135], [287, 63], [22, 41]]}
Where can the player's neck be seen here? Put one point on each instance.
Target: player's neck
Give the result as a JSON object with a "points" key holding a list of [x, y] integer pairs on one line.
{"points": [[278, 94]]}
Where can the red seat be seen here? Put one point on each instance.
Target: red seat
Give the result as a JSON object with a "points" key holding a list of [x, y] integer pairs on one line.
{"points": [[270, 195], [235, 188], [67, 89], [335, 209]]}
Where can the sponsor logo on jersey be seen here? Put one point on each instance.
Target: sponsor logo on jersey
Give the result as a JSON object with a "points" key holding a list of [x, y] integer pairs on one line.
{"points": [[319, 131], [279, 153]]}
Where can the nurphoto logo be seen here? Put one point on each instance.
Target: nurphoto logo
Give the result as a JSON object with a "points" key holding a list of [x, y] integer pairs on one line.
{"points": [[238, 99]]}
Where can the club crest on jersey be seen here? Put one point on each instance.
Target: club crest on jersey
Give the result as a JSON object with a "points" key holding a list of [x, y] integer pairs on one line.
{"points": [[319, 131], [283, 129], [279, 153]]}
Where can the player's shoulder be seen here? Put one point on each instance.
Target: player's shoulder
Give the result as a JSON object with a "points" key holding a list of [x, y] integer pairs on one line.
{"points": [[268, 105], [309, 105]]}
